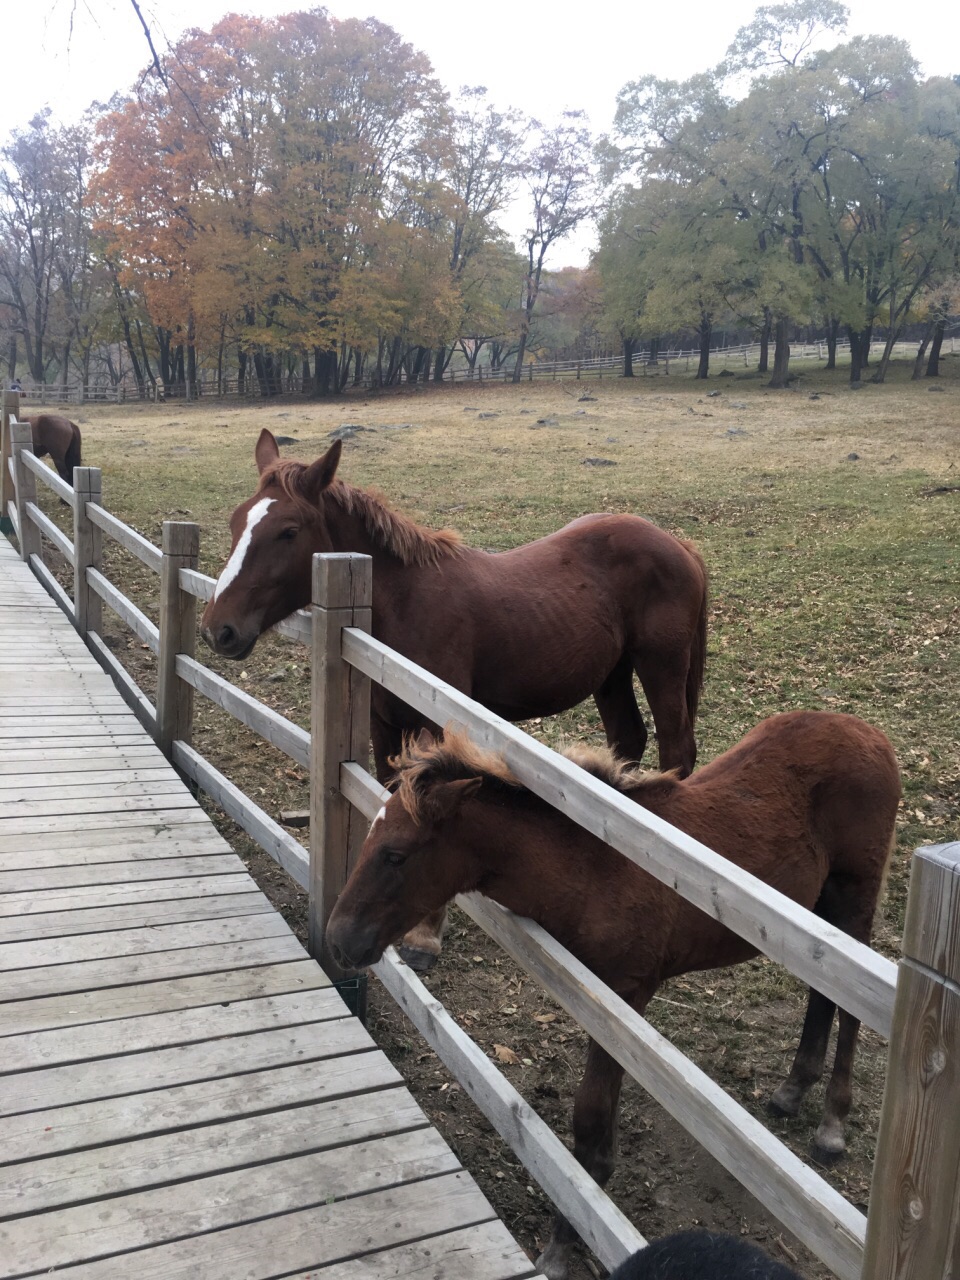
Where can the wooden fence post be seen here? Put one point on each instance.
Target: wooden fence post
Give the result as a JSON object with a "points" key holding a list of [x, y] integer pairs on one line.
{"points": [[25, 487], [340, 732], [178, 634], [913, 1231], [10, 409], [88, 550]]}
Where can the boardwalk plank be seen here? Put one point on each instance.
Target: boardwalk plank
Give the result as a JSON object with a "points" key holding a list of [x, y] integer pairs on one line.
{"points": [[133, 915], [307, 1241], [64, 1236], [142, 845], [105, 895], [132, 942], [255, 1036], [23, 1017], [120, 872], [44, 982], [242, 1142]]}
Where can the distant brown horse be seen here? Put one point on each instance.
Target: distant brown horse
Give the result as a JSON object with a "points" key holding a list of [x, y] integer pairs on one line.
{"points": [[60, 438], [807, 802], [528, 632]]}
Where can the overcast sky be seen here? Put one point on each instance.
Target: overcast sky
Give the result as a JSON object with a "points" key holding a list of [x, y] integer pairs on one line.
{"points": [[542, 58]]}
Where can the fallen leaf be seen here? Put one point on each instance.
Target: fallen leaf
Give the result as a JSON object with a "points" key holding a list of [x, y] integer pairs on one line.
{"points": [[505, 1055], [544, 1017]]}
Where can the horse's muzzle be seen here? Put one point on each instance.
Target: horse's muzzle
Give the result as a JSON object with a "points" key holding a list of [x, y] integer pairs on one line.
{"points": [[227, 641], [352, 947]]}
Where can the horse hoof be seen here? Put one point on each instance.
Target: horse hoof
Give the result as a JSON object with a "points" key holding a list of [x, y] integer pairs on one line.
{"points": [[826, 1157], [554, 1262], [419, 961], [783, 1104]]}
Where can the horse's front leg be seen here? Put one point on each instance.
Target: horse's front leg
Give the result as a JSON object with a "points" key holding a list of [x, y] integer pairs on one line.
{"points": [[594, 1145], [421, 946]]}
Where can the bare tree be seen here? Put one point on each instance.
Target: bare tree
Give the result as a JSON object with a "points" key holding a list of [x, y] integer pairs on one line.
{"points": [[559, 177]]}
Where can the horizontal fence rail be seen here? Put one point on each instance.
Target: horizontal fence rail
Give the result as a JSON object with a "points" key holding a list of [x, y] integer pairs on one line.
{"points": [[128, 538], [856, 977], [297, 627]]}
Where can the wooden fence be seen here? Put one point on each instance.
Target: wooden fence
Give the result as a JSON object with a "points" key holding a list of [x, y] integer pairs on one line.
{"points": [[913, 1229], [742, 356]]}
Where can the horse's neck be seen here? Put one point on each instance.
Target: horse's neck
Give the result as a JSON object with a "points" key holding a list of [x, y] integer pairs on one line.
{"points": [[526, 868]]}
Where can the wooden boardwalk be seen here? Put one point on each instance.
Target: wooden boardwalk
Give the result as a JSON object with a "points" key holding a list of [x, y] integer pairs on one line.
{"points": [[182, 1093]]}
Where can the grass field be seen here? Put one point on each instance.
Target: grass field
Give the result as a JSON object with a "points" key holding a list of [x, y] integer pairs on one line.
{"points": [[830, 522]]}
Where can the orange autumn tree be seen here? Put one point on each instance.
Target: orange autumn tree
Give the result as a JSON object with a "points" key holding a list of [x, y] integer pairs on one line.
{"points": [[274, 194]]}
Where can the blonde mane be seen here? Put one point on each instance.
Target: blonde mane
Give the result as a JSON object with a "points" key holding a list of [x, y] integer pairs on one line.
{"points": [[455, 758], [410, 542]]}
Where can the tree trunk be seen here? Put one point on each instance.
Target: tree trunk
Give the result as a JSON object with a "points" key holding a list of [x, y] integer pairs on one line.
{"points": [[833, 329], [427, 361], [703, 368], [933, 363], [884, 364], [865, 346], [358, 366], [12, 356], [191, 359], [781, 355], [856, 355], [922, 351], [628, 357], [241, 372], [654, 357], [178, 374], [764, 364], [324, 365], [166, 373], [440, 362], [306, 381]]}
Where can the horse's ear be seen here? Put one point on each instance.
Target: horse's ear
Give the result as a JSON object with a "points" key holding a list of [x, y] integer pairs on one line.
{"points": [[443, 800], [425, 740], [267, 450], [319, 475]]}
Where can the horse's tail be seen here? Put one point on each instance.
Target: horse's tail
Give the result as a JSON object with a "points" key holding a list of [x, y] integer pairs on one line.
{"points": [[71, 458], [698, 646]]}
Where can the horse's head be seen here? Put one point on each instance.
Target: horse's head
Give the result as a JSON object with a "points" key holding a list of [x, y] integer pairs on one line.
{"points": [[275, 533], [412, 863]]}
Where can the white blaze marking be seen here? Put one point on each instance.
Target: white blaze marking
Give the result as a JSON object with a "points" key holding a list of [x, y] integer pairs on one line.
{"points": [[235, 563], [380, 817]]}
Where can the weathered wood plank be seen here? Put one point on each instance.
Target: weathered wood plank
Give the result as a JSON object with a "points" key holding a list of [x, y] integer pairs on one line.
{"points": [[128, 538], [31, 780], [47, 900], [13, 793], [127, 687], [234, 1142], [50, 478], [101, 1096], [308, 1239], [24, 1017], [79, 948], [136, 915], [22, 811], [913, 1231], [269, 724], [485, 1251], [135, 618], [178, 634], [140, 845], [100, 980], [271, 837], [44, 833], [200, 864], [88, 1125], [47, 1240]]}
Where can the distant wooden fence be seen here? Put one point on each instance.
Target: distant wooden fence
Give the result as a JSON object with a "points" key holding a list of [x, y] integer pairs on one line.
{"points": [[741, 356], [913, 1228]]}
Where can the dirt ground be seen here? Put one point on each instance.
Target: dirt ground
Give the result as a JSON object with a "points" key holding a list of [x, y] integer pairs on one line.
{"points": [[829, 520]]}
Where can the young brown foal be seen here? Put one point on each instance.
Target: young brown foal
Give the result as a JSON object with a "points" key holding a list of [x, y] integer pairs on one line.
{"points": [[527, 632], [807, 802]]}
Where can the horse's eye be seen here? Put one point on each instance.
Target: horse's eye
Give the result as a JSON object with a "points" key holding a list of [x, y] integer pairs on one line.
{"points": [[394, 858], [288, 534]]}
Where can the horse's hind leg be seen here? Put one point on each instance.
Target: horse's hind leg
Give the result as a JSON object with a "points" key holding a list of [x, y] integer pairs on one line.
{"points": [[848, 902], [622, 721], [594, 1145], [663, 674]]}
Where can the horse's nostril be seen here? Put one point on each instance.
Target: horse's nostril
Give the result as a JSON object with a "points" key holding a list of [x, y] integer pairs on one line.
{"points": [[226, 636]]}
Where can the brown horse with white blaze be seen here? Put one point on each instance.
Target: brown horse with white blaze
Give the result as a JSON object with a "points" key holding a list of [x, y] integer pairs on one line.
{"points": [[527, 632], [57, 436], [806, 802]]}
